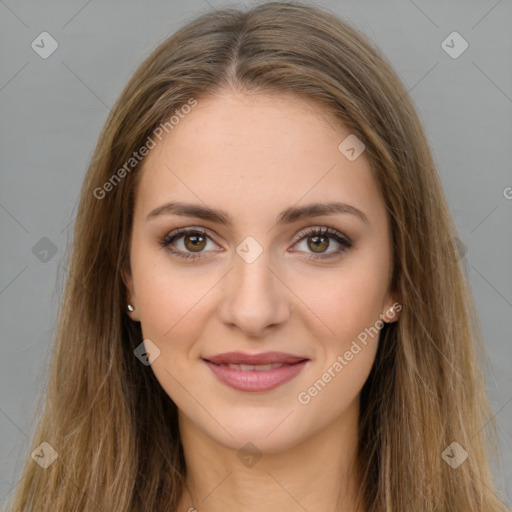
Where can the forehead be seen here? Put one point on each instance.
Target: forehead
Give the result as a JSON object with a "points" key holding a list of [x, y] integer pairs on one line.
{"points": [[253, 153]]}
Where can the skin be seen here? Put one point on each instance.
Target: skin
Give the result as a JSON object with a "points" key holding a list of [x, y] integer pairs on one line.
{"points": [[253, 156]]}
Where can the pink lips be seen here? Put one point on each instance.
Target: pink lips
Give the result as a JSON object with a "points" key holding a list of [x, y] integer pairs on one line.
{"points": [[255, 379]]}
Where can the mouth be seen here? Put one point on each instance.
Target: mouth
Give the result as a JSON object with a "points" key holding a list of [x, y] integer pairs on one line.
{"points": [[256, 377], [261, 359], [249, 367]]}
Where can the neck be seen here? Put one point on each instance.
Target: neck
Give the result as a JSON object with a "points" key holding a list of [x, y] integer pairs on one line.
{"points": [[318, 474]]}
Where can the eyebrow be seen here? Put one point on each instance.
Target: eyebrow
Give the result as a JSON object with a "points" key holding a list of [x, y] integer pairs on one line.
{"points": [[287, 216]]}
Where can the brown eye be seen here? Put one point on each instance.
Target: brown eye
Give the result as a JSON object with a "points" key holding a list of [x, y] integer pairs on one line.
{"points": [[318, 243], [195, 242], [188, 243]]}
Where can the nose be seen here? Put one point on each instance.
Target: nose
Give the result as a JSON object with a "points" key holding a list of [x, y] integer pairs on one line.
{"points": [[254, 297]]}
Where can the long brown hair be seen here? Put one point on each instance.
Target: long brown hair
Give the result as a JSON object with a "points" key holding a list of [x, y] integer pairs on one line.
{"points": [[112, 425]]}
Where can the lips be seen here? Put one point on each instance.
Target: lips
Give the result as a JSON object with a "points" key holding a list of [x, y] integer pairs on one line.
{"points": [[264, 358], [255, 372]]}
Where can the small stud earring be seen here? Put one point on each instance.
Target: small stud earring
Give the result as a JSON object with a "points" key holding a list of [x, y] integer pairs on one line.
{"points": [[390, 311], [130, 308]]}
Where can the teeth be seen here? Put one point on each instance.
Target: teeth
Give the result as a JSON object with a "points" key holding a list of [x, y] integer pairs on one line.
{"points": [[247, 367]]}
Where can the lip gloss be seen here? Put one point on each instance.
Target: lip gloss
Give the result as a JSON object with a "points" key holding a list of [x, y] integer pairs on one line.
{"points": [[256, 380]]}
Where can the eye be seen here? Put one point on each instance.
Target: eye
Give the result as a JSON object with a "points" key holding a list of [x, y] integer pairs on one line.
{"points": [[194, 240], [318, 240]]}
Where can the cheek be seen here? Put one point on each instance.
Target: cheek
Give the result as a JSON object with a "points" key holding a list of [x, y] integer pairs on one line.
{"points": [[351, 309], [346, 300], [331, 392], [173, 308], [349, 304], [170, 298]]}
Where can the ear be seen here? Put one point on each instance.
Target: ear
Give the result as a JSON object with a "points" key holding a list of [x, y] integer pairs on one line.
{"points": [[127, 277], [391, 312]]}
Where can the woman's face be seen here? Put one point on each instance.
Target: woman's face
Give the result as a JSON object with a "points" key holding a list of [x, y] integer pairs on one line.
{"points": [[259, 277]]}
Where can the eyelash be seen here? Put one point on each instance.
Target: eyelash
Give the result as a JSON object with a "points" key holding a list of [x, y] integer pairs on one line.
{"points": [[344, 242]]}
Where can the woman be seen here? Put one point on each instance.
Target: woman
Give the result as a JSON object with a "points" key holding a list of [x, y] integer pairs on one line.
{"points": [[265, 306]]}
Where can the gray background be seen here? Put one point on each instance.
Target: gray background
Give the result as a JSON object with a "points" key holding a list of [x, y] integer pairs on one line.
{"points": [[52, 111]]}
